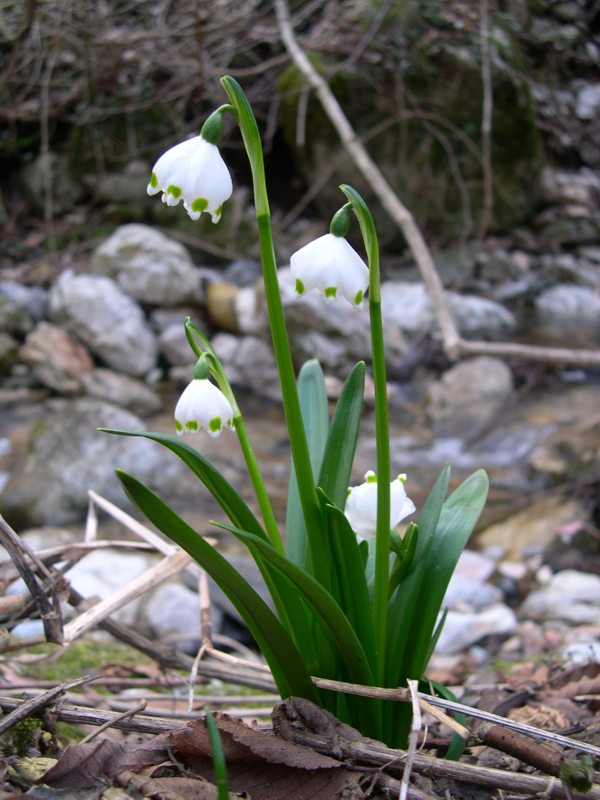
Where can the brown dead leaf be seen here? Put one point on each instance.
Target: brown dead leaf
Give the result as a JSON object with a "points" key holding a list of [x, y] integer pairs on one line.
{"points": [[89, 763], [541, 716], [168, 788], [266, 767]]}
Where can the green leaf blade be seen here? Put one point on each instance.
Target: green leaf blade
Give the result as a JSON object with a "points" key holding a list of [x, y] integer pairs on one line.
{"points": [[338, 458], [275, 643], [226, 496], [315, 414]]}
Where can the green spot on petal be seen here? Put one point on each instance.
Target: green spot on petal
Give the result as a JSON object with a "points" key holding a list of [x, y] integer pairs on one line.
{"points": [[300, 289], [174, 190], [153, 181], [215, 425], [191, 425], [218, 211], [331, 291], [359, 297], [178, 426], [372, 479], [200, 204]]}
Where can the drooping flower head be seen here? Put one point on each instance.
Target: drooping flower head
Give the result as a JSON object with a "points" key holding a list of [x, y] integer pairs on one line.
{"points": [[193, 171], [331, 265], [361, 505], [202, 405]]}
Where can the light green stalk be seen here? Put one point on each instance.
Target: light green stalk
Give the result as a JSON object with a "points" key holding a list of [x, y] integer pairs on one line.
{"points": [[382, 438], [281, 346]]}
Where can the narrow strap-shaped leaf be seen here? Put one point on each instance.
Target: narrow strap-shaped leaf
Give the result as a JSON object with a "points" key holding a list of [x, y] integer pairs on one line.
{"points": [[458, 518], [330, 616], [404, 605], [336, 468], [351, 582], [275, 643], [313, 405], [226, 496], [295, 616]]}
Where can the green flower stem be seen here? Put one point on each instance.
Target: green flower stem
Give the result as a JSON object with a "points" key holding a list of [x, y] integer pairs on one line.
{"points": [[256, 478], [281, 346], [260, 491], [382, 438]]}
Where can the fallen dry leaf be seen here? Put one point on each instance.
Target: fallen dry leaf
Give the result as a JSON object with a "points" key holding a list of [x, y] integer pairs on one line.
{"points": [[266, 767], [90, 763], [172, 787]]}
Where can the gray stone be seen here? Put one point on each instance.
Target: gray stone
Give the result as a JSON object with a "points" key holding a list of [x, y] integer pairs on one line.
{"points": [[569, 306], [545, 605], [577, 585], [470, 395], [479, 317], [248, 362], [247, 310], [67, 455], [128, 186], [588, 101], [463, 629], [562, 187], [102, 572], [243, 272], [172, 613], [162, 318], [122, 390], [66, 191], [175, 347], [96, 310], [464, 593], [408, 306], [148, 266], [34, 299], [57, 359], [569, 595]]}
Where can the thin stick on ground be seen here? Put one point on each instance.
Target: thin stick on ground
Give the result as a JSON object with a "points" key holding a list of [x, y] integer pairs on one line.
{"points": [[47, 606], [413, 740], [30, 707]]}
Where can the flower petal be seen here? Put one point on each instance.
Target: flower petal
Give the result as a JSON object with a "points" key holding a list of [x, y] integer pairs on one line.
{"points": [[332, 266], [203, 406]]}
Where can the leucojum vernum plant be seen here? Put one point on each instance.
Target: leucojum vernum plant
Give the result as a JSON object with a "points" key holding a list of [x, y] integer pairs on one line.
{"points": [[354, 600]]}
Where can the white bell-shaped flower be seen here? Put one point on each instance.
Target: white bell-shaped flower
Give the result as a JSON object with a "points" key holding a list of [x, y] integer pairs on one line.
{"points": [[193, 171], [361, 505], [203, 406], [332, 266]]}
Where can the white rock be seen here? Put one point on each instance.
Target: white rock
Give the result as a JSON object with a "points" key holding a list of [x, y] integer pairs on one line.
{"points": [[588, 101], [97, 311], [102, 572], [461, 630], [568, 305], [148, 266], [465, 593], [584, 586], [469, 395], [122, 390], [408, 306], [173, 613], [249, 362]]}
